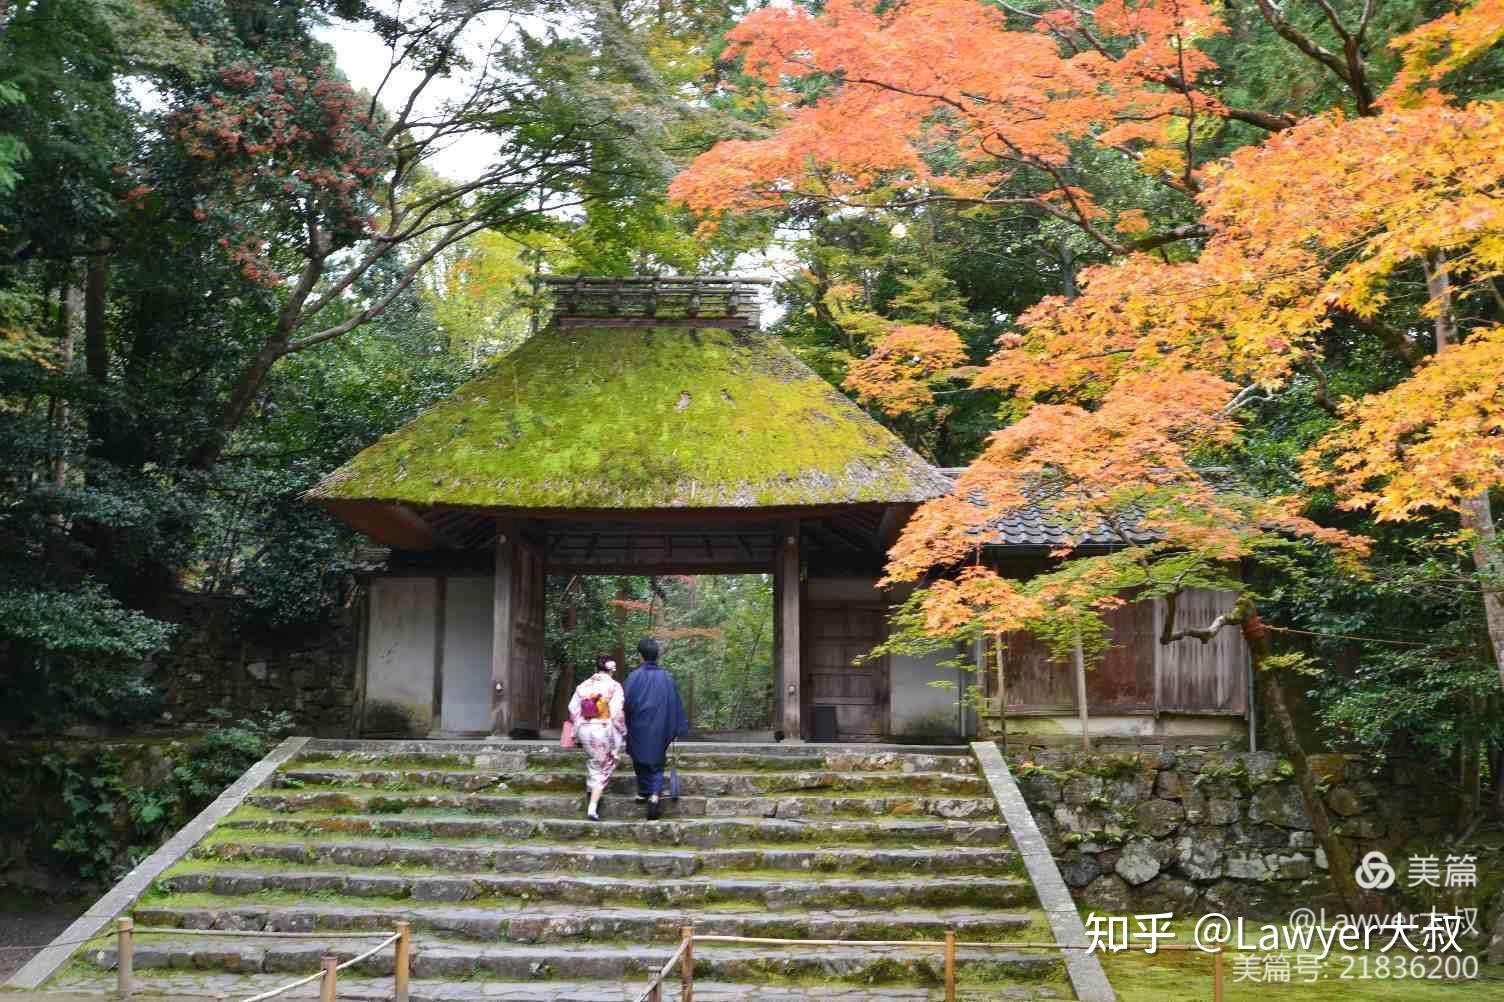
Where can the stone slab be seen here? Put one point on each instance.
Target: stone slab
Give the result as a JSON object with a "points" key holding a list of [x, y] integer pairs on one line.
{"points": [[97, 919], [1084, 969]]}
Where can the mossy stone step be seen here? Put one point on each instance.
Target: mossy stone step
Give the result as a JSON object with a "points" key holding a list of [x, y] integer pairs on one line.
{"points": [[563, 805], [847, 758], [698, 832], [767, 891], [536, 858], [517, 758], [865, 965], [530, 923], [709, 784]]}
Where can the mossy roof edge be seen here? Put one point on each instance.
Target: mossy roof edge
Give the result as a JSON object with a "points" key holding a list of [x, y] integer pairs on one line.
{"points": [[631, 418]]}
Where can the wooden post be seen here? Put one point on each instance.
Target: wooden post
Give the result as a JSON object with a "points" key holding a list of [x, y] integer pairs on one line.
{"points": [[1078, 660], [327, 986], [687, 965], [1217, 975], [1002, 686], [950, 965], [403, 961], [655, 993], [786, 608], [502, 615], [125, 956]]}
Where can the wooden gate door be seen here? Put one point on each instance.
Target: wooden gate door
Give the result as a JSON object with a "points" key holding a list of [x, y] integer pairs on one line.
{"points": [[528, 583], [517, 634], [837, 636]]}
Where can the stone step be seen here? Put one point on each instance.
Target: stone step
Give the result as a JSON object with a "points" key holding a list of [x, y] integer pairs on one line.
{"points": [[543, 858], [162, 985], [708, 784], [565, 805], [575, 888], [866, 965], [700, 832], [532, 923], [516, 756]]}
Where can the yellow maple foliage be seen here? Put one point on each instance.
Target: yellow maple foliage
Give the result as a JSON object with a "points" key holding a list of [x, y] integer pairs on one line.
{"points": [[897, 375], [1438, 47], [1433, 441]]}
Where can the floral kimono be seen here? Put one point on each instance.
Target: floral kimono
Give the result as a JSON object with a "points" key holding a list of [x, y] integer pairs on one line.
{"points": [[601, 734]]}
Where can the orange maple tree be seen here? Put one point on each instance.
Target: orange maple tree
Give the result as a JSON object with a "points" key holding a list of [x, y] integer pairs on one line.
{"points": [[904, 81], [1314, 224], [899, 373]]}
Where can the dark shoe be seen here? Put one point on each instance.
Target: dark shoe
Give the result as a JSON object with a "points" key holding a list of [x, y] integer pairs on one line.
{"points": [[655, 810], [592, 816]]}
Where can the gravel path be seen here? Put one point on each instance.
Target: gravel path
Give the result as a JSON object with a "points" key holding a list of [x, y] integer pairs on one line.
{"points": [[32, 923]]}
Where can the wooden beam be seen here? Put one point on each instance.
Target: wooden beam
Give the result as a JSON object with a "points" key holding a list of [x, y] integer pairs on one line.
{"points": [[502, 614], [654, 567], [786, 607], [895, 517], [389, 524]]}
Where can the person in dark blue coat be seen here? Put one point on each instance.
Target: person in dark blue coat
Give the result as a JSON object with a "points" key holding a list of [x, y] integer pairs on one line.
{"points": [[655, 716]]}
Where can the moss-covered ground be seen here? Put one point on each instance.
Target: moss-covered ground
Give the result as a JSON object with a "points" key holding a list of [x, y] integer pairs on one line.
{"points": [[1187, 977]]}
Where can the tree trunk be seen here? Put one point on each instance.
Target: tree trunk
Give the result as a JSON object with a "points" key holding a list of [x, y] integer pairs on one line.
{"points": [[1068, 286], [1277, 711], [1476, 513], [70, 306], [96, 287], [239, 404]]}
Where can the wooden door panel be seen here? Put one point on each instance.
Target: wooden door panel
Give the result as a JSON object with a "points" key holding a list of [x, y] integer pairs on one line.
{"points": [[528, 583], [1200, 678], [1124, 679], [839, 636], [1032, 679]]}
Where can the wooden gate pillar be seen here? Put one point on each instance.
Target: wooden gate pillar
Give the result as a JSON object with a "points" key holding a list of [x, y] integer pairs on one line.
{"points": [[786, 608]]}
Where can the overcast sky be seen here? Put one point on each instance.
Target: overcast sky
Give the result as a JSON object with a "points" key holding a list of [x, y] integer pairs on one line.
{"points": [[364, 58]]}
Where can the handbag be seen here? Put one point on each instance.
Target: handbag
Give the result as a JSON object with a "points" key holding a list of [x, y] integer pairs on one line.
{"points": [[566, 735]]}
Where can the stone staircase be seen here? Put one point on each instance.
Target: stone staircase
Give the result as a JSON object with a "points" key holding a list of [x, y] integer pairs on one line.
{"points": [[512, 894]]}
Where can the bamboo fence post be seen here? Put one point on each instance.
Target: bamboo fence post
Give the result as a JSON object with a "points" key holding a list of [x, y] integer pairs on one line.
{"points": [[950, 965], [327, 986], [403, 961], [687, 961], [1217, 975], [125, 958]]}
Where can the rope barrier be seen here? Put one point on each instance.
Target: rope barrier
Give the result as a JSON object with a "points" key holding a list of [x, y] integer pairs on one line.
{"points": [[949, 945]]}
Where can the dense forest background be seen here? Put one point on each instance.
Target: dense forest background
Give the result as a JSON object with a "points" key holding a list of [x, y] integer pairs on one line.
{"points": [[224, 271]]}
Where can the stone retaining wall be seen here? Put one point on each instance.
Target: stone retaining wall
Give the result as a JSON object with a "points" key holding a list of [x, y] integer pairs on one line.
{"points": [[218, 662], [1194, 829]]}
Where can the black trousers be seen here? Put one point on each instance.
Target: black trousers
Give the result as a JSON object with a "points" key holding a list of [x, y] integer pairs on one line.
{"points": [[649, 778]]}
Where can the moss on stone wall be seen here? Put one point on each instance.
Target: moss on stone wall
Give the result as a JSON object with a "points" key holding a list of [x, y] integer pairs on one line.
{"points": [[640, 418]]}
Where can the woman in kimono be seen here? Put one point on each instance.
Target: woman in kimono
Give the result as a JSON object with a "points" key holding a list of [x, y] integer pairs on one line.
{"points": [[600, 726]]}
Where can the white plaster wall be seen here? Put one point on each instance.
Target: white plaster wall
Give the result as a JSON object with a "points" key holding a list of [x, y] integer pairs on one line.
{"points": [[918, 709], [465, 703], [400, 648]]}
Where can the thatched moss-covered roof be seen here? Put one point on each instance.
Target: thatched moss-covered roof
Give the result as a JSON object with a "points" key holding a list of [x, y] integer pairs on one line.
{"points": [[640, 418]]}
